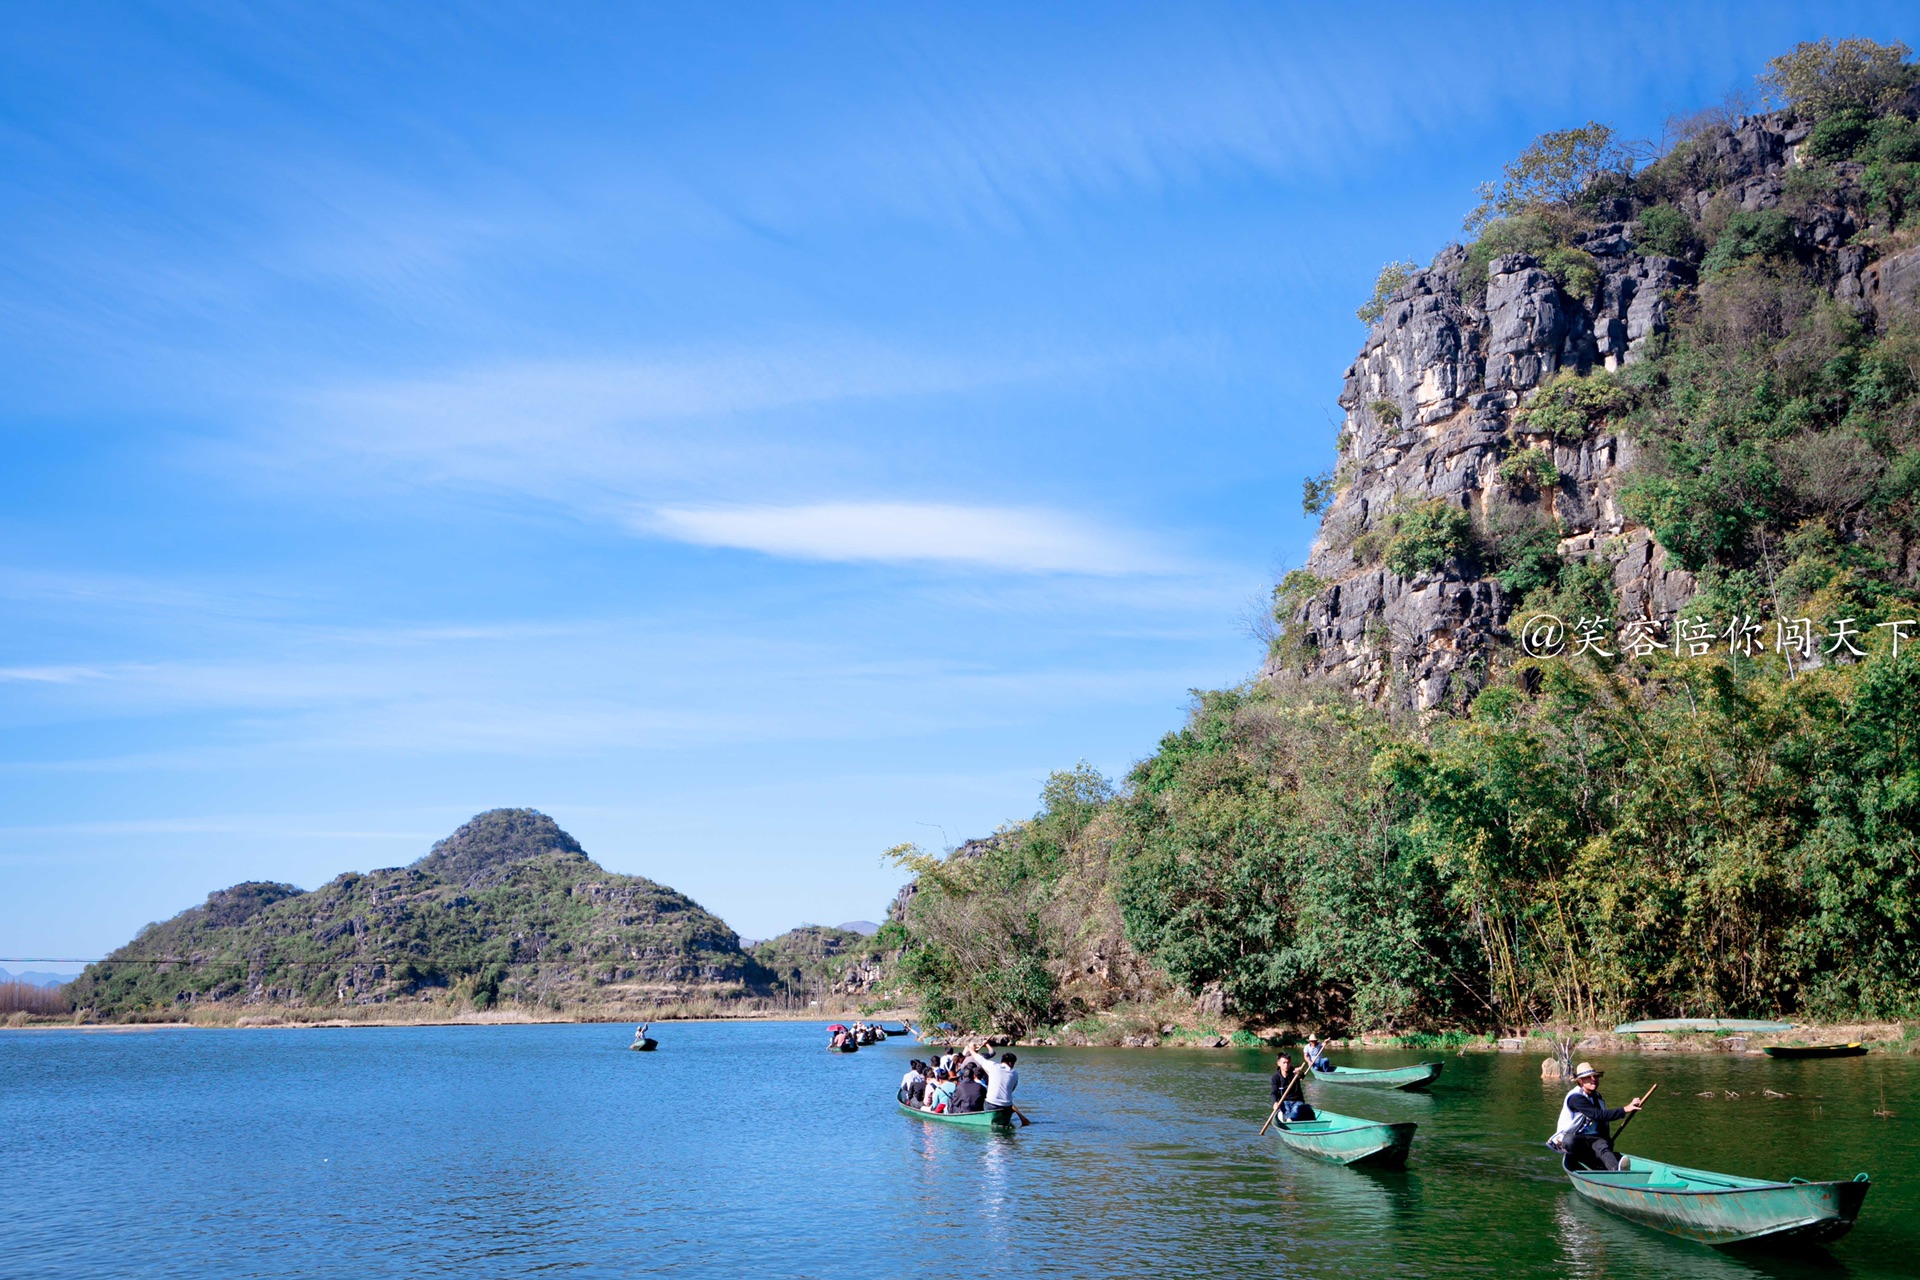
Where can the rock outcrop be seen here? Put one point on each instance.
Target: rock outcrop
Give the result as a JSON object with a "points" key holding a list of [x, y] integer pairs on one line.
{"points": [[1431, 413]]}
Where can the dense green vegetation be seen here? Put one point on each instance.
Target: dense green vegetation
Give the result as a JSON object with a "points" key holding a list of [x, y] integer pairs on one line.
{"points": [[1594, 836], [507, 909]]}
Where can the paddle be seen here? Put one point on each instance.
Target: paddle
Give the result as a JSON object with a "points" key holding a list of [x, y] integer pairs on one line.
{"points": [[1629, 1120], [1292, 1080]]}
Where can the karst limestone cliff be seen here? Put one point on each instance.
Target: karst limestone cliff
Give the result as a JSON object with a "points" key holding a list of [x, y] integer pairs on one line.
{"points": [[1435, 403]]}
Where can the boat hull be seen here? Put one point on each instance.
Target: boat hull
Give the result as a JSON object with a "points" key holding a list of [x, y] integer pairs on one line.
{"points": [[1721, 1026], [843, 1048], [966, 1119], [1412, 1078], [1348, 1140], [1722, 1210], [644, 1046], [1816, 1050]]}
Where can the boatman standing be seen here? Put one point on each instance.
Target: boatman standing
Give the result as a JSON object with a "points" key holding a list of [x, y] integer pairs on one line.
{"points": [[1585, 1131], [1002, 1079]]}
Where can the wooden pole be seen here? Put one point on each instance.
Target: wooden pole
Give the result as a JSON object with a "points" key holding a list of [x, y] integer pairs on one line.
{"points": [[1629, 1119], [1293, 1080]]}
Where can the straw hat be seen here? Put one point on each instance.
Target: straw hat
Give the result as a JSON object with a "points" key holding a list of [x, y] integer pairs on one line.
{"points": [[1587, 1069]]}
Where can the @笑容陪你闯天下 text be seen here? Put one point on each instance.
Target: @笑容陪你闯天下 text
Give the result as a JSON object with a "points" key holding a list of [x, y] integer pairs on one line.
{"points": [[1546, 635]]}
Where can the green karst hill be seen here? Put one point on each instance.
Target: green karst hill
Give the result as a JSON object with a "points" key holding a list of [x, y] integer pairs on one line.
{"points": [[508, 909], [816, 960]]}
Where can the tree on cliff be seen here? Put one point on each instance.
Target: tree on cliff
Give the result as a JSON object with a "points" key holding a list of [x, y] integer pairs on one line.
{"points": [[1555, 169]]}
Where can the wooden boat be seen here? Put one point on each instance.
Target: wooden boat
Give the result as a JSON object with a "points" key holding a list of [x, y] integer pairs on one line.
{"points": [[1723, 1025], [1720, 1209], [644, 1046], [1853, 1049], [903, 1031], [972, 1119], [848, 1047], [1348, 1140], [1414, 1077]]}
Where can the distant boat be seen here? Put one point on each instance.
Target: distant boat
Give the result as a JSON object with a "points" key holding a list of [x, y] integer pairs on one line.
{"points": [[902, 1031], [644, 1046], [1852, 1049], [1721, 1209], [1411, 1078], [1700, 1024], [1348, 1140]]}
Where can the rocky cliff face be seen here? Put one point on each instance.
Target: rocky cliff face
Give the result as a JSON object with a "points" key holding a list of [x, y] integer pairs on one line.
{"points": [[1431, 413]]}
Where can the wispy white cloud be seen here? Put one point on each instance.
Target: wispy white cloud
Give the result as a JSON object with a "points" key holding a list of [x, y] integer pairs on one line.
{"points": [[49, 675], [1024, 541], [634, 427]]}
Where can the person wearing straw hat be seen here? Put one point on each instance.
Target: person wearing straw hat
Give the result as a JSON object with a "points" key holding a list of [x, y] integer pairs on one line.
{"points": [[1585, 1131], [1315, 1055]]}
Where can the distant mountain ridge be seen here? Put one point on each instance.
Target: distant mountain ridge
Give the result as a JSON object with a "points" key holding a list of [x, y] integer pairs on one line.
{"points": [[508, 908], [37, 978]]}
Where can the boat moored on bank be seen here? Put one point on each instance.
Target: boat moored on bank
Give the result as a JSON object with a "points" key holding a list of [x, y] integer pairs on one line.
{"points": [[1853, 1049]]}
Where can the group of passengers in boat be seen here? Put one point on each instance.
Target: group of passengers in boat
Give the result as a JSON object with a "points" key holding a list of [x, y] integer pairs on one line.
{"points": [[1287, 1085], [970, 1080], [860, 1033]]}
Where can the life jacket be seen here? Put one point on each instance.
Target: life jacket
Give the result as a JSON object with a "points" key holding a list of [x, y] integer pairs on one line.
{"points": [[1569, 1126]]}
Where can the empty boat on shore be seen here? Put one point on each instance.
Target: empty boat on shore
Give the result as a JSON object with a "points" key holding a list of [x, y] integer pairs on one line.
{"points": [[1721, 1209], [1418, 1076], [1348, 1140], [1721, 1025]]}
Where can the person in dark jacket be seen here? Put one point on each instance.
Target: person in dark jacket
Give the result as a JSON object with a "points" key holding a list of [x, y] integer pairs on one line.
{"points": [[971, 1093], [1590, 1119], [1287, 1083]]}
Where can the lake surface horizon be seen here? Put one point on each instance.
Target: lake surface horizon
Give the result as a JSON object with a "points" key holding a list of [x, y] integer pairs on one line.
{"points": [[744, 1147]]}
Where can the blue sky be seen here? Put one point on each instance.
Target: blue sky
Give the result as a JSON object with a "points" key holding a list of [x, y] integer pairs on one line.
{"points": [[755, 437]]}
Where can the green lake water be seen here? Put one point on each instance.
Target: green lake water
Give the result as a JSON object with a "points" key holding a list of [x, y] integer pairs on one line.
{"points": [[745, 1149]]}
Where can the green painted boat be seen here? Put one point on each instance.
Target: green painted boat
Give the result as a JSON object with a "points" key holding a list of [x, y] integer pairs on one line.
{"points": [[1348, 1140], [971, 1119], [644, 1046], [1852, 1050], [1720, 1209], [1414, 1077], [1700, 1024]]}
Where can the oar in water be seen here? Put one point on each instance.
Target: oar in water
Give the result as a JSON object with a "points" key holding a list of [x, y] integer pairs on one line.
{"points": [[1629, 1120], [1294, 1080]]}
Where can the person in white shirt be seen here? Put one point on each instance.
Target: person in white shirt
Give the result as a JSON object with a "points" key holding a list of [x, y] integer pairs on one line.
{"points": [[912, 1083], [1002, 1079]]}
